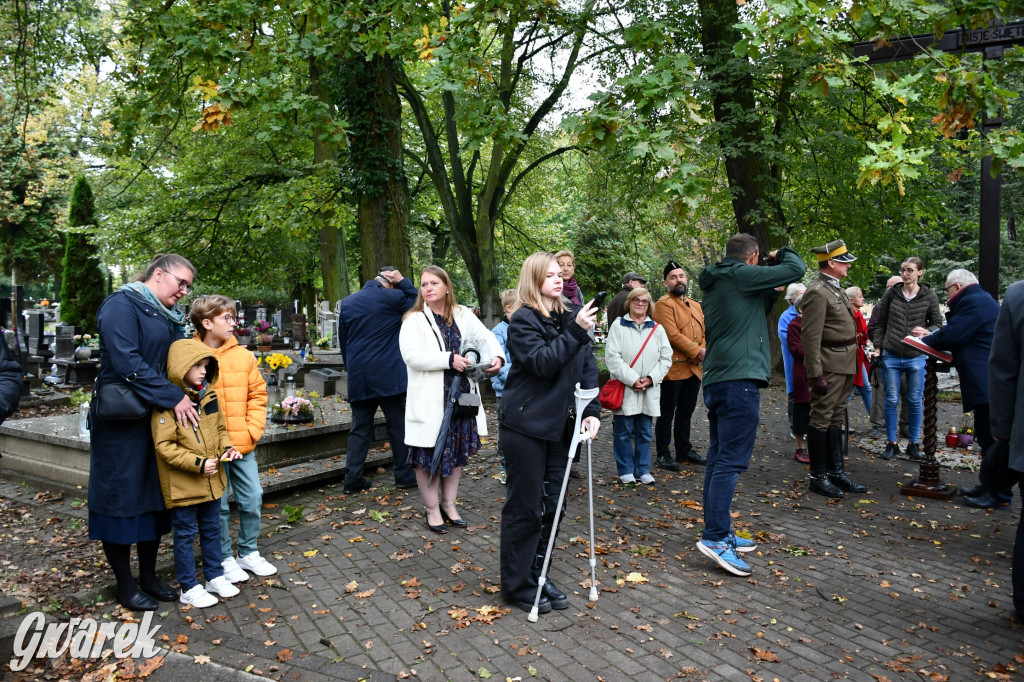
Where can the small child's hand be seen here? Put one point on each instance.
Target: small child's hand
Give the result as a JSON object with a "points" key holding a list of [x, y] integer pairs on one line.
{"points": [[210, 467], [230, 455]]}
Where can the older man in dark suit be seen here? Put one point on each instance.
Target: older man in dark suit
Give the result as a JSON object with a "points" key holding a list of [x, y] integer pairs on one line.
{"points": [[970, 323]]}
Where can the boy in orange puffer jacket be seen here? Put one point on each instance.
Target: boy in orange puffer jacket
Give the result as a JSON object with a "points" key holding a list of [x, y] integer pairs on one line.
{"points": [[243, 399]]}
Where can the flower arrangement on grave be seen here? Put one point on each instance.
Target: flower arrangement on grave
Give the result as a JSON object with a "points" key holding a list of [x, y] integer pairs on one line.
{"points": [[323, 342], [243, 331], [264, 332], [79, 398], [275, 361], [85, 340], [299, 408]]}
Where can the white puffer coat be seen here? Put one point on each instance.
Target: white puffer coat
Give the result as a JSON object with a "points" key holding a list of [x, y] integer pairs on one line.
{"points": [[625, 338]]}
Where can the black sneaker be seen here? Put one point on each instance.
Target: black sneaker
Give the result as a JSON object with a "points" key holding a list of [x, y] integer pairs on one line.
{"points": [[667, 464], [692, 457], [972, 492], [544, 606], [891, 450], [357, 487], [914, 452]]}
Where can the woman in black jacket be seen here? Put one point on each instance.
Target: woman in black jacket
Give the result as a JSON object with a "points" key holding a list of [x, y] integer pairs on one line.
{"points": [[552, 348], [907, 309]]}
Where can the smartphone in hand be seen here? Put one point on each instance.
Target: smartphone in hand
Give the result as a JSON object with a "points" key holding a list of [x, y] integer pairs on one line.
{"points": [[599, 300]]}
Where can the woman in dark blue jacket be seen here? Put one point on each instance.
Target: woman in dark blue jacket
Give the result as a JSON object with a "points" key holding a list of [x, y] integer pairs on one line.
{"points": [[137, 324], [553, 353]]}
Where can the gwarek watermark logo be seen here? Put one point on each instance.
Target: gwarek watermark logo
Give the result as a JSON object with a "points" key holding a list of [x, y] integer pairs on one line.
{"points": [[82, 638]]}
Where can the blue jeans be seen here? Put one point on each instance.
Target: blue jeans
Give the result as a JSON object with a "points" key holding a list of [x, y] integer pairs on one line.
{"points": [[734, 410], [244, 479], [203, 518], [865, 390], [893, 366], [632, 444]]}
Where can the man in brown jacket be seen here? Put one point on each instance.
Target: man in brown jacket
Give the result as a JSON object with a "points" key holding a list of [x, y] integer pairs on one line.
{"points": [[683, 321], [830, 357]]}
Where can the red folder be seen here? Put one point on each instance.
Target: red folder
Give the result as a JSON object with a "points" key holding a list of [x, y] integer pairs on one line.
{"points": [[920, 345]]}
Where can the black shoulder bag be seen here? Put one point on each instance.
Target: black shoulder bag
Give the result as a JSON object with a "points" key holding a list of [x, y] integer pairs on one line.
{"points": [[468, 404]]}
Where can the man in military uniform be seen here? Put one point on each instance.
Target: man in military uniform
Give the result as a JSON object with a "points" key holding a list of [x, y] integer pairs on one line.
{"points": [[830, 356]]}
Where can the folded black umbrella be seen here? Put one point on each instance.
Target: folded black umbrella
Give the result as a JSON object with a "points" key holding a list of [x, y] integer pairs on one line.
{"points": [[446, 423]]}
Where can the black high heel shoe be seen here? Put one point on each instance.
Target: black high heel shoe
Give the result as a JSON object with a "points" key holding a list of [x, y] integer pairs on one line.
{"points": [[458, 523], [441, 529]]}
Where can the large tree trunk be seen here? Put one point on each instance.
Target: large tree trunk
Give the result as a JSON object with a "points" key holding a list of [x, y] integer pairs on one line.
{"points": [[374, 111], [754, 191], [333, 265]]}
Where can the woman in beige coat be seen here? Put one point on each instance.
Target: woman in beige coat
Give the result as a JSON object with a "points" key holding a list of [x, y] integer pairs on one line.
{"points": [[641, 400]]}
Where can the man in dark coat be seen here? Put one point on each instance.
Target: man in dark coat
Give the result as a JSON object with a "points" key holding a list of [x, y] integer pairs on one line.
{"points": [[617, 306], [970, 323], [11, 377], [1006, 382], [368, 325]]}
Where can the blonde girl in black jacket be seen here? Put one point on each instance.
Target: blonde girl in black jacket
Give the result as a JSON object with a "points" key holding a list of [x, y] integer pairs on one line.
{"points": [[552, 348]]}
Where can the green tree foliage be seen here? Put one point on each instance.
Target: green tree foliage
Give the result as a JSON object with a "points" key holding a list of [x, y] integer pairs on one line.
{"points": [[84, 284], [499, 72], [45, 46]]}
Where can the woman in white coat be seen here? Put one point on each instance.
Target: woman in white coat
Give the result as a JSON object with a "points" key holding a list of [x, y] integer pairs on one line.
{"points": [[641, 400], [431, 340]]}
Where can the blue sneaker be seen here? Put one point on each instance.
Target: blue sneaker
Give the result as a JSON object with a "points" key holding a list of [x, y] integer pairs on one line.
{"points": [[724, 555], [741, 544]]}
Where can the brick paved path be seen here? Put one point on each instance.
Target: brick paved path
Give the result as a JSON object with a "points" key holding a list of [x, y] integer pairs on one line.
{"points": [[877, 586]]}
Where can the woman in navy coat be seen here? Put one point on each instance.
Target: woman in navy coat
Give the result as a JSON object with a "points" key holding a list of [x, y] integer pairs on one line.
{"points": [[137, 324]]}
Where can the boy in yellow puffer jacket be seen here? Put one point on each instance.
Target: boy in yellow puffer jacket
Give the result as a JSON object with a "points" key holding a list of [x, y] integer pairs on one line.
{"points": [[243, 400], [187, 459]]}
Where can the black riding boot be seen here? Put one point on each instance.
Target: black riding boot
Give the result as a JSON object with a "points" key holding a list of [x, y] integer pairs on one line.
{"points": [[555, 596], [837, 467], [817, 449]]}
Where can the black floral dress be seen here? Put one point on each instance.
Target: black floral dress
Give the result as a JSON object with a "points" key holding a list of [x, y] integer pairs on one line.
{"points": [[462, 440]]}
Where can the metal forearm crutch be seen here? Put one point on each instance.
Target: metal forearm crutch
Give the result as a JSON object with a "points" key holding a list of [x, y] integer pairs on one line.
{"points": [[583, 398]]}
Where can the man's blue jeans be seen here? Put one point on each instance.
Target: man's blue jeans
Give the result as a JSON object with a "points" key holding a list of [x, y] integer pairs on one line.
{"points": [[186, 522], [244, 480], [734, 410], [893, 366], [632, 444]]}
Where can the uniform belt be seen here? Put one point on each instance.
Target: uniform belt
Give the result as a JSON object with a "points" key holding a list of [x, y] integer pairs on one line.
{"points": [[839, 344]]}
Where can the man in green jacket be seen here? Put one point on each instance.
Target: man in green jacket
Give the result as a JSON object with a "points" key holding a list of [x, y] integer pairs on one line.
{"points": [[738, 296]]}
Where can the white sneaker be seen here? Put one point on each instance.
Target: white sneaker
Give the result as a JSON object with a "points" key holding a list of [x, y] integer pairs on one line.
{"points": [[628, 478], [232, 572], [198, 597], [647, 479], [254, 563], [222, 586]]}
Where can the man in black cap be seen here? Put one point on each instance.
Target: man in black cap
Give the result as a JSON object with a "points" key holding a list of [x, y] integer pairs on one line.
{"points": [[617, 306], [682, 318], [830, 343]]}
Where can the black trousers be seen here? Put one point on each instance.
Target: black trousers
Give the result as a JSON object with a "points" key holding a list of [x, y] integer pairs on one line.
{"points": [[534, 469], [678, 400], [363, 411]]}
